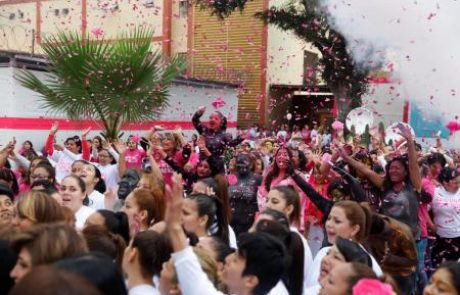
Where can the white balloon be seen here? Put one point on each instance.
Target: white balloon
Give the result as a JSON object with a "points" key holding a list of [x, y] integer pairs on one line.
{"points": [[289, 116], [359, 118], [392, 132]]}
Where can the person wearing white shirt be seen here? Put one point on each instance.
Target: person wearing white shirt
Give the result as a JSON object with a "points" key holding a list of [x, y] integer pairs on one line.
{"points": [[95, 186], [109, 172], [142, 260], [73, 192], [255, 268], [349, 220]]}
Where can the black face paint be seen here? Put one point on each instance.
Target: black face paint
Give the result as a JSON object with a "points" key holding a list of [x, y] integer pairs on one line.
{"points": [[127, 183]]}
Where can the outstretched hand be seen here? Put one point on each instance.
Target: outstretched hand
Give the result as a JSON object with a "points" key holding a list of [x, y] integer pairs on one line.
{"points": [[85, 132], [174, 200], [54, 127], [405, 132]]}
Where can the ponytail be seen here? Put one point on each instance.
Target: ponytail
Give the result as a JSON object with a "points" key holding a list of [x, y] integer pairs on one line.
{"points": [[212, 206]]}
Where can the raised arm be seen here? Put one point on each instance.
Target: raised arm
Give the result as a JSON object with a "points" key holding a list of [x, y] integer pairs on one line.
{"points": [[85, 150], [50, 140], [357, 191], [414, 171], [196, 120], [376, 179], [6, 151], [121, 148], [323, 204]]}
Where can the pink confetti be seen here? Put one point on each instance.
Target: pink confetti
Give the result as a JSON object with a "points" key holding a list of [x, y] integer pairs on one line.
{"points": [[97, 32], [218, 103]]}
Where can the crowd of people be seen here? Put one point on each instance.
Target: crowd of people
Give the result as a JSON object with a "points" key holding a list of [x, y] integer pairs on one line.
{"points": [[297, 211]]}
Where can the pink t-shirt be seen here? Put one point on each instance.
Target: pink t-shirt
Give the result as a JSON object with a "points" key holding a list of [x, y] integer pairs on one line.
{"points": [[133, 158], [428, 185]]}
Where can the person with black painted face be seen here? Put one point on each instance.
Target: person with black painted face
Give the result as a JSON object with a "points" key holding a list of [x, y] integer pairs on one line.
{"points": [[126, 185], [243, 195]]}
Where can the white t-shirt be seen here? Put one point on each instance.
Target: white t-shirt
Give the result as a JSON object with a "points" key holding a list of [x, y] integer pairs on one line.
{"points": [[143, 290], [313, 277], [64, 160], [279, 289], [308, 258], [446, 211], [96, 200], [81, 215], [110, 175]]}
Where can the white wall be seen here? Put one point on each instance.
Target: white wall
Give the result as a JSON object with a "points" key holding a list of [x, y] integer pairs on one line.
{"points": [[18, 101]]}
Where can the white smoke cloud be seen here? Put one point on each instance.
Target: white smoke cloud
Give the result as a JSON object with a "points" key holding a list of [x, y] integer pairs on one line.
{"points": [[419, 41]]}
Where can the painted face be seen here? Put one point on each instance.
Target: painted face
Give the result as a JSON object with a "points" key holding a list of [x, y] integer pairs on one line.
{"points": [[39, 173], [72, 194], [214, 121], [104, 157], [336, 283], [337, 224], [282, 158], [243, 164], [276, 201], [203, 169], [23, 265], [127, 183], [441, 283], [191, 221], [6, 210], [397, 172], [331, 260]]}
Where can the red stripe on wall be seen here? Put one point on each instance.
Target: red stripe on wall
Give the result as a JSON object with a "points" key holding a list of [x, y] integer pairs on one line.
{"points": [[17, 123]]}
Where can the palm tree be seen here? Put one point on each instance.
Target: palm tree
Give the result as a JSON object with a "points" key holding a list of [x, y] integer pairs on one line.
{"points": [[109, 82]]}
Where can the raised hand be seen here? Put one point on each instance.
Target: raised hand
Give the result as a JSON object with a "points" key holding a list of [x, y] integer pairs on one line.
{"points": [[85, 132], [120, 146], [174, 200], [405, 132], [202, 109], [54, 127]]}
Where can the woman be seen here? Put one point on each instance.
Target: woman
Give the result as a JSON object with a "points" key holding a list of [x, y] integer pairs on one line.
{"points": [[27, 149], [73, 193], [446, 280], [342, 252], [100, 239], [6, 207], [114, 222], [139, 206], [284, 200], [216, 138], [343, 277], [203, 216], [401, 185], [217, 248], [95, 186], [96, 147], [109, 172], [75, 149], [36, 208], [134, 154], [150, 181], [44, 244], [143, 260], [446, 210], [349, 220], [43, 171]]}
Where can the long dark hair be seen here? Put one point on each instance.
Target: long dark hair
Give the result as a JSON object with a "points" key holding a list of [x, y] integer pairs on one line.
{"points": [[100, 185], [294, 276], [212, 207], [387, 183], [275, 170]]}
